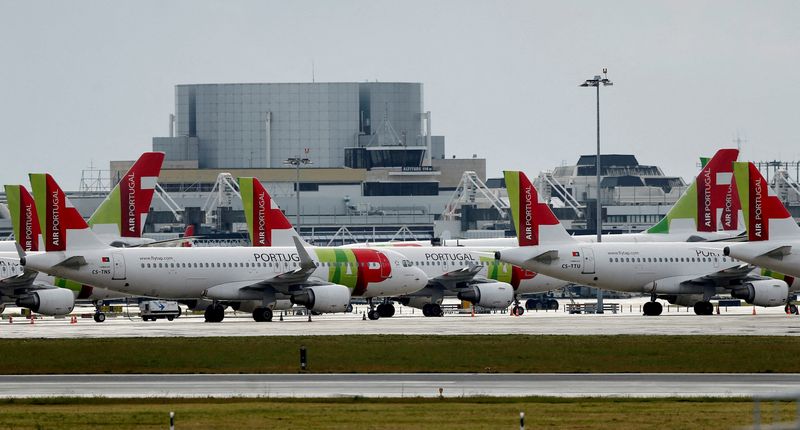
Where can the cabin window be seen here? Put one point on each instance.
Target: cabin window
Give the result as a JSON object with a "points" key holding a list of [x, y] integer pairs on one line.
{"points": [[142, 265], [610, 260]]}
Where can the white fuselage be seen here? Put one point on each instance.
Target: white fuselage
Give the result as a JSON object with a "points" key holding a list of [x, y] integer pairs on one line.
{"points": [[186, 273], [438, 260], [661, 268], [755, 253]]}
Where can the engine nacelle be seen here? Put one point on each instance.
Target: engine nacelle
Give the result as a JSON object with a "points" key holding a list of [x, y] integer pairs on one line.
{"points": [[764, 292], [498, 295], [52, 301], [324, 298]]}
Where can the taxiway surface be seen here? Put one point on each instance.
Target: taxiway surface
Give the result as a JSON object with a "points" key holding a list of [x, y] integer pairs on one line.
{"points": [[773, 323], [398, 385]]}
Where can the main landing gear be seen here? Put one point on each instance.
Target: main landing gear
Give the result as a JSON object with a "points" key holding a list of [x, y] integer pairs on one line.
{"points": [[372, 314], [215, 312], [704, 308], [386, 310], [652, 308], [99, 316], [262, 314], [432, 310], [517, 310]]}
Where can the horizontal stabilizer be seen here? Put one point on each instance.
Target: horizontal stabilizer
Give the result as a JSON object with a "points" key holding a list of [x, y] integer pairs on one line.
{"points": [[778, 253], [72, 262], [546, 257]]}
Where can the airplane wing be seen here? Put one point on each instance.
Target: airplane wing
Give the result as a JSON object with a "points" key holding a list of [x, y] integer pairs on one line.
{"points": [[456, 278], [285, 282]]}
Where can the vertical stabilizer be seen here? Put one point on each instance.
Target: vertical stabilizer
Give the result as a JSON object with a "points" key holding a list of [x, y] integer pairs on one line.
{"points": [[58, 219], [124, 211], [535, 223], [266, 223], [765, 216], [24, 218], [709, 204]]}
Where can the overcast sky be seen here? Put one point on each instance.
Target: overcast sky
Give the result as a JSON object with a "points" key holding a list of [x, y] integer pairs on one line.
{"points": [[93, 81]]}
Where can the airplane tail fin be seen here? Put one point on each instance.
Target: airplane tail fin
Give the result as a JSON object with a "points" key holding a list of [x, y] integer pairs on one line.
{"points": [[59, 221], [535, 222], [124, 211], [266, 223], [710, 203], [188, 234], [24, 218], [764, 213]]}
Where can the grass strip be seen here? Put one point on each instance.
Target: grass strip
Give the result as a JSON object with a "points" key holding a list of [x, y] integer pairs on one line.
{"points": [[397, 353], [414, 413]]}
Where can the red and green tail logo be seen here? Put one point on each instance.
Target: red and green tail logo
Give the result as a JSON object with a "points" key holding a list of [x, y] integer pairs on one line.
{"points": [[264, 217], [23, 217], [754, 193], [56, 213], [128, 204], [526, 210], [715, 191]]}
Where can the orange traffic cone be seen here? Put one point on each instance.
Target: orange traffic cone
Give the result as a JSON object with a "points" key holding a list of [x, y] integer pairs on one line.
{"points": [[754, 310], [10, 319], [32, 319]]}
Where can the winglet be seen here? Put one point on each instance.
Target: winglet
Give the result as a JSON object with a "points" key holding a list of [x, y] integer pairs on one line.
{"points": [[305, 260]]}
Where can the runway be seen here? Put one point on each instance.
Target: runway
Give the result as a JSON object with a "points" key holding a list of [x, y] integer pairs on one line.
{"points": [[398, 385], [769, 322]]}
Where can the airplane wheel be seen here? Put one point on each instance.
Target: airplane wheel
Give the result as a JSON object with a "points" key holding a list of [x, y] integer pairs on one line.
{"points": [[552, 305], [426, 310], [99, 317], [517, 311], [373, 315], [791, 309], [170, 318], [386, 310], [349, 308], [215, 313], [652, 308], [703, 308], [531, 304], [436, 310]]}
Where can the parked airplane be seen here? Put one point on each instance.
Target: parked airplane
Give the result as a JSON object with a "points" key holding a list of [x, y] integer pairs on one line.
{"points": [[683, 272], [773, 234], [708, 210], [465, 273], [128, 204], [224, 274]]}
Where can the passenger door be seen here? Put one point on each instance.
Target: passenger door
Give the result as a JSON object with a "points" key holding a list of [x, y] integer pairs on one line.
{"points": [[588, 260]]}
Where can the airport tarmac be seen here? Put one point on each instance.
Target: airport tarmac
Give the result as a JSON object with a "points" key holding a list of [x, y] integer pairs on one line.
{"points": [[740, 321], [399, 385]]}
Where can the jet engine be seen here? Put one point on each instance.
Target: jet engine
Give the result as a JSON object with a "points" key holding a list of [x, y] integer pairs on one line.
{"points": [[324, 298], [498, 295], [53, 301], [764, 292]]}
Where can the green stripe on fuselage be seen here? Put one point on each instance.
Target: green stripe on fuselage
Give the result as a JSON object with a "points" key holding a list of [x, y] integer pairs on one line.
{"points": [[342, 266]]}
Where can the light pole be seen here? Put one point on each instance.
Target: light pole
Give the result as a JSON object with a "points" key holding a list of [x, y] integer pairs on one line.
{"points": [[296, 162], [596, 82]]}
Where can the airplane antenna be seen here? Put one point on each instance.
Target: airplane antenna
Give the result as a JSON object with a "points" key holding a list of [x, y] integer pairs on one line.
{"points": [[312, 72]]}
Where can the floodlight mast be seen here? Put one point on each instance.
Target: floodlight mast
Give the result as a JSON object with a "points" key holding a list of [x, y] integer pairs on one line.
{"points": [[297, 162], [597, 82]]}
